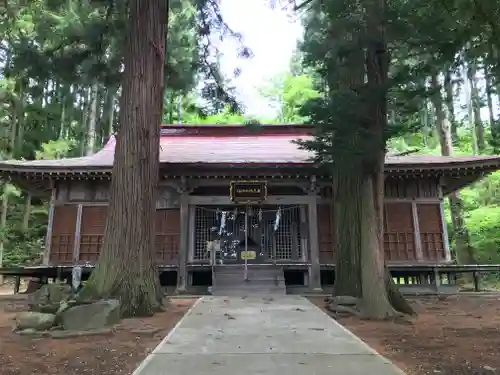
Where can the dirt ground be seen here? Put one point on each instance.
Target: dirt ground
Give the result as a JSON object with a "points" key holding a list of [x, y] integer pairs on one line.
{"points": [[116, 353], [450, 336]]}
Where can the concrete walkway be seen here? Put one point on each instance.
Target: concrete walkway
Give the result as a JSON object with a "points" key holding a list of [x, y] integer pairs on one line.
{"points": [[250, 336]]}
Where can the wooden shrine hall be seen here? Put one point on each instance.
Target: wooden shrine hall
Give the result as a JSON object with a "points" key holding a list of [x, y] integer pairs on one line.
{"points": [[234, 199]]}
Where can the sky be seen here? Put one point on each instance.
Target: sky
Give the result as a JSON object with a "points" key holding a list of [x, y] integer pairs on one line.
{"points": [[272, 36]]}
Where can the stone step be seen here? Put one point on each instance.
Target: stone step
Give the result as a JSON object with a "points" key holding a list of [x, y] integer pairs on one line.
{"points": [[248, 284], [250, 271], [233, 291], [262, 281], [249, 277]]}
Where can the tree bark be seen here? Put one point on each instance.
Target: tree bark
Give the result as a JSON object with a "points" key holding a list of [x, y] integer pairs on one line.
{"points": [[448, 88], [26, 213], [375, 301], [347, 237], [92, 125], [494, 124], [126, 268], [476, 108], [110, 110]]}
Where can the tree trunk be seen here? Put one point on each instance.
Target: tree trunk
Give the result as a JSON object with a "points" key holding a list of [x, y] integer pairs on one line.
{"points": [[347, 218], [110, 111], [375, 301], [476, 108], [448, 88], [92, 126], [84, 124], [26, 213], [126, 268], [5, 197], [20, 108], [494, 126], [359, 180], [463, 248]]}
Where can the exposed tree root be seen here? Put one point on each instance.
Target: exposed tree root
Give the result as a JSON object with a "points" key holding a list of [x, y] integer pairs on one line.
{"points": [[397, 300]]}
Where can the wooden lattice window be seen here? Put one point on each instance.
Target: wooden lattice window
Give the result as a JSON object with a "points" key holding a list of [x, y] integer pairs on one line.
{"points": [[431, 231], [92, 232], [399, 237], [168, 229], [63, 234]]}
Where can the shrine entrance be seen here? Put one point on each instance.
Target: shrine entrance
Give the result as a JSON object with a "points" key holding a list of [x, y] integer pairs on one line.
{"points": [[249, 234]]}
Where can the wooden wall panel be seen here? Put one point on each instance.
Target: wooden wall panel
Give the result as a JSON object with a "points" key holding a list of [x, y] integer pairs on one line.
{"points": [[411, 188], [399, 237], [63, 234], [166, 239], [92, 232], [168, 230], [325, 234], [431, 231]]}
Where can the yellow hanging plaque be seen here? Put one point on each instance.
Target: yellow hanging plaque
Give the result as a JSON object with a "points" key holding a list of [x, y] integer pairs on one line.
{"points": [[248, 255]]}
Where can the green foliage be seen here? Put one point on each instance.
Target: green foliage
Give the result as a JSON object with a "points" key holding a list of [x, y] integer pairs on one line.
{"points": [[24, 247], [55, 149], [287, 94], [484, 226]]}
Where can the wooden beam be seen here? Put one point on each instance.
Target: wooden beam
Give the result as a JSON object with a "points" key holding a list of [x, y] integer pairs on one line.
{"points": [[276, 199]]}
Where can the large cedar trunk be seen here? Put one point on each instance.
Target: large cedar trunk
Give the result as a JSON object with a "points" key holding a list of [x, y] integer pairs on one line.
{"points": [[375, 301], [347, 219], [126, 268]]}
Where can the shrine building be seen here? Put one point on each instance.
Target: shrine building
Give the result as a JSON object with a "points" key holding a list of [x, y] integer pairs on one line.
{"points": [[234, 199]]}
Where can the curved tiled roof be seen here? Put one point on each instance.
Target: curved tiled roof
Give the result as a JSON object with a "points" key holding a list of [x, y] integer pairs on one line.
{"points": [[274, 146]]}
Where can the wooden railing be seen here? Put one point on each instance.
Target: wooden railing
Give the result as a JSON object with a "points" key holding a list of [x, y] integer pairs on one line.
{"points": [[166, 248]]}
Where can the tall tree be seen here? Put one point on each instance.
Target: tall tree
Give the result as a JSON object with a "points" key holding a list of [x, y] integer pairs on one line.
{"points": [[464, 251], [126, 268], [350, 139]]}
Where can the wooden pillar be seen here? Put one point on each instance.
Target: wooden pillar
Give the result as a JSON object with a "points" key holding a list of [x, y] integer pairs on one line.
{"points": [[78, 228], [446, 240], [303, 230], [48, 238], [437, 280], [475, 278], [17, 284], [416, 232], [314, 268], [183, 244]]}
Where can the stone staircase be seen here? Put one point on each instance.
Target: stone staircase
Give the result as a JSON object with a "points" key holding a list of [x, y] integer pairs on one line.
{"points": [[263, 280]]}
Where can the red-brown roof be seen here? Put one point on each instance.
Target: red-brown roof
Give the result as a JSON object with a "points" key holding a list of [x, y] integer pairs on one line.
{"points": [[221, 145]]}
